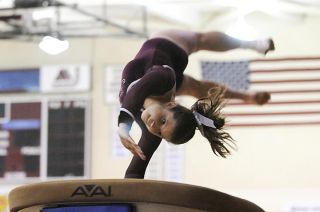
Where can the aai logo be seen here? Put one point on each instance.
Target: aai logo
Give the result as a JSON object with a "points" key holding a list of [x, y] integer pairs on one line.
{"points": [[92, 191]]}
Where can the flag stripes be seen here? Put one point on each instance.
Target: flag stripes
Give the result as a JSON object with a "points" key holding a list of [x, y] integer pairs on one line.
{"points": [[294, 84]]}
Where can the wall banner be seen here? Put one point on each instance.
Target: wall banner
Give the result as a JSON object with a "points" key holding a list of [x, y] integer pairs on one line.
{"points": [[112, 83], [65, 78]]}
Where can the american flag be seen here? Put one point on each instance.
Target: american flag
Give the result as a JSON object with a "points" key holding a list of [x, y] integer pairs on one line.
{"points": [[294, 84]]}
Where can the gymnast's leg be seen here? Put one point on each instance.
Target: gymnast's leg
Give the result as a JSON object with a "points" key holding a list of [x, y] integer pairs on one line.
{"points": [[213, 41], [200, 88]]}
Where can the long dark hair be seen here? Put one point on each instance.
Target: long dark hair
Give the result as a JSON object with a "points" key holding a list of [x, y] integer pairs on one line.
{"points": [[185, 127], [210, 107]]}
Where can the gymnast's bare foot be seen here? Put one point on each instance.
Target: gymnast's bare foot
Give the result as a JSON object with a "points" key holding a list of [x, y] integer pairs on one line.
{"points": [[258, 98]]}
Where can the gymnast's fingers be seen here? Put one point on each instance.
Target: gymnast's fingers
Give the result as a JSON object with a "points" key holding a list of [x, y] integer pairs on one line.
{"points": [[139, 152], [133, 147], [136, 150]]}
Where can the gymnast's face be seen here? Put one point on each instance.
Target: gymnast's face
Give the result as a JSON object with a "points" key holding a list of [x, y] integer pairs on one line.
{"points": [[159, 120]]}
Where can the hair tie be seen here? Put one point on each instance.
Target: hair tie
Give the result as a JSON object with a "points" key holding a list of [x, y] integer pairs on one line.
{"points": [[202, 120]]}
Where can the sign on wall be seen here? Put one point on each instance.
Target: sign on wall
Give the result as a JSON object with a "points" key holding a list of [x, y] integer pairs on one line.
{"points": [[112, 83], [19, 81], [65, 78]]}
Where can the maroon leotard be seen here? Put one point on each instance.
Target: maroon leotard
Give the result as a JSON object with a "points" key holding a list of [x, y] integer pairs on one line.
{"points": [[157, 67]]}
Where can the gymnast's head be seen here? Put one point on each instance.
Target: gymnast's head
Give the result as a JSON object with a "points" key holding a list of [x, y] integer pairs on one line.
{"points": [[177, 124]]}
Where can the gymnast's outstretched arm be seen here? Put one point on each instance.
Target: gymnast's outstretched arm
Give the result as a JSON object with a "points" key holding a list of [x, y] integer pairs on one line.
{"points": [[148, 144]]}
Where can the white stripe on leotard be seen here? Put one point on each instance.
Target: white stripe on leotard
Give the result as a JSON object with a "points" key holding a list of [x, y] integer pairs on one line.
{"points": [[132, 84], [127, 111]]}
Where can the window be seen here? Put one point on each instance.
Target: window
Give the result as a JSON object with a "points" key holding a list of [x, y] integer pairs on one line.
{"points": [[66, 138], [2, 110], [43, 138]]}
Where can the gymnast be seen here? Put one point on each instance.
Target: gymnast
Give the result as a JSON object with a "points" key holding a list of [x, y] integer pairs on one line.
{"points": [[155, 76]]}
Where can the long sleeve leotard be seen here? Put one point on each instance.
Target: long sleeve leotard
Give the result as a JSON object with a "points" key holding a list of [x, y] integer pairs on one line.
{"points": [[157, 67]]}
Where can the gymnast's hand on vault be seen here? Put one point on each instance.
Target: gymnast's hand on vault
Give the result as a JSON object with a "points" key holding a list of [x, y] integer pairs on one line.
{"points": [[128, 142]]}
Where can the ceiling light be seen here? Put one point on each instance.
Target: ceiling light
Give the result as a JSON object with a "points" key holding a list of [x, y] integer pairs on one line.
{"points": [[40, 14], [242, 30], [53, 46]]}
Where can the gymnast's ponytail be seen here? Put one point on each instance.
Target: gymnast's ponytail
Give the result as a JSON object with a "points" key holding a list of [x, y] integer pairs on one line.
{"points": [[210, 121], [205, 115]]}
